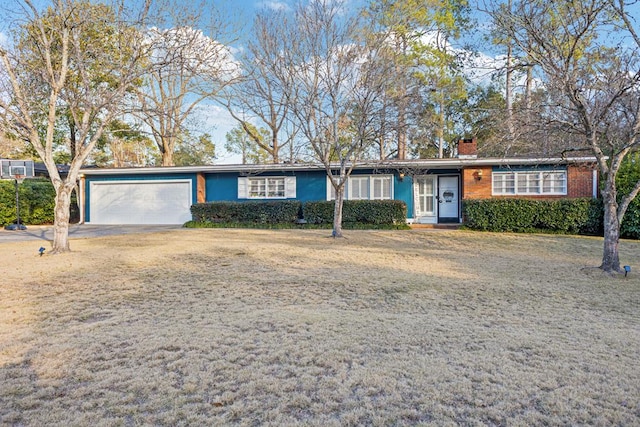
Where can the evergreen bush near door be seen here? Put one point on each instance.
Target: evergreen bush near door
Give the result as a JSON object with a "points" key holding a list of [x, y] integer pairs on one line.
{"points": [[572, 216]]}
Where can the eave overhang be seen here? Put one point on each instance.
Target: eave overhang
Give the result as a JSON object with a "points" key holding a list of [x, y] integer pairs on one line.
{"points": [[420, 164]]}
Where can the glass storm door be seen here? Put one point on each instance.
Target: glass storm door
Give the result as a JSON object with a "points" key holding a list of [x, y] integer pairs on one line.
{"points": [[448, 199]]}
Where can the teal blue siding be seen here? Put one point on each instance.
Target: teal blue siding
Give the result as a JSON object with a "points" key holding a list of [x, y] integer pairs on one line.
{"points": [[403, 190], [221, 187], [152, 177], [310, 185]]}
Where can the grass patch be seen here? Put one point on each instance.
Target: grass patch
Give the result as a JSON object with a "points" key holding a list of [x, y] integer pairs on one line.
{"points": [[292, 226], [252, 327]]}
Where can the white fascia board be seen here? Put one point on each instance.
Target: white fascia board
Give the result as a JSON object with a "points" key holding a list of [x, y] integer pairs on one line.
{"points": [[454, 163], [244, 169]]}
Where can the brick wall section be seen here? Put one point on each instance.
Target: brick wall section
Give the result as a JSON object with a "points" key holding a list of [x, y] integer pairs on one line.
{"points": [[468, 147], [473, 188], [579, 183]]}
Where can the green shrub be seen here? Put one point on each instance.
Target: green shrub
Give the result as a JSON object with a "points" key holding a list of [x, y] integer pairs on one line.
{"points": [[271, 212], [371, 212], [595, 222], [357, 214], [571, 216], [320, 212], [37, 202], [630, 227]]}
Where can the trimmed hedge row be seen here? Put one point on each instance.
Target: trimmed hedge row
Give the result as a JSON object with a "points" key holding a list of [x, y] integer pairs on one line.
{"points": [[571, 216], [273, 212], [355, 213], [374, 212], [37, 202], [630, 227]]}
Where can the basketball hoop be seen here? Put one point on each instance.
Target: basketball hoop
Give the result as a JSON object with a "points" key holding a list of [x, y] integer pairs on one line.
{"points": [[19, 178]]}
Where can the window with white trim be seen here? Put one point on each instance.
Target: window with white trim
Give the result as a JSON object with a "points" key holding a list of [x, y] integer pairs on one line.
{"points": [[381, 188], [269, 187], [365, 187], [529, 183], [358, 188]]}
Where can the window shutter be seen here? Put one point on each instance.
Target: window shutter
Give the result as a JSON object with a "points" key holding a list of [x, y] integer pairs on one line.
{"points": [[290, 187], [243, 183]]}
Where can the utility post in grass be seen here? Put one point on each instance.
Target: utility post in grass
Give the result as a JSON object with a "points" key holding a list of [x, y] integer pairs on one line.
{"points": [[74, 59], [589, 54], [337, 79]]}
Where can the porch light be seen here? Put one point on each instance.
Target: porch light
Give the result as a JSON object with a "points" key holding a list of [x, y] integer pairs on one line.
{"points": [[478, 174], [401, 176]]}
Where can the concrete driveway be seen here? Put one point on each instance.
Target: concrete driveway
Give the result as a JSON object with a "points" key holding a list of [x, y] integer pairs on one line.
{"points": [[79, 231]]}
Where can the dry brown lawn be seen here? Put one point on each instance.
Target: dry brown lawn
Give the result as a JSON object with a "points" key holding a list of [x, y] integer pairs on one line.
{"points": [[252, 327]]}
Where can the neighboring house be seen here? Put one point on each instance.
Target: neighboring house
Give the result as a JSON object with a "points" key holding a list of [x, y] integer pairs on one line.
{"points": [[433, 189], [41, 170]]}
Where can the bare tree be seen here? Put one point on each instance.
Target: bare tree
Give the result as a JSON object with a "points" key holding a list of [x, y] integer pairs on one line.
{"points": [[186, 67], [592, 81], [265, 94], [9, 146], [75, 58], [337, 81]]}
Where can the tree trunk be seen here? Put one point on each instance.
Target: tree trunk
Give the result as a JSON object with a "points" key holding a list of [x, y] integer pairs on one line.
{"points": [[167, 157], [402, 131], [337, 212], [383, 132], [440, 130], [276, 148], [61, 222], [508, 95], [610, 257]]}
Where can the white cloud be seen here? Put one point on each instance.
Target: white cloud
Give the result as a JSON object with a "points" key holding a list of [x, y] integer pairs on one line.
{"points": [[273, 5], [217, 122]]}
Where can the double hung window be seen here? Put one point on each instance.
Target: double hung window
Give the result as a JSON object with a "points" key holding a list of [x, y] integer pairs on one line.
{"points": [[365, 187], [270, 187], [529, 183]]}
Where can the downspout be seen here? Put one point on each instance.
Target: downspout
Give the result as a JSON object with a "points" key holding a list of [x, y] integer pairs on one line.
{"points": [[594, 183]]}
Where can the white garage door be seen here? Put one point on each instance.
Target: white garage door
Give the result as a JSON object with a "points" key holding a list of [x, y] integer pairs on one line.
{"points": [[140, 202]]}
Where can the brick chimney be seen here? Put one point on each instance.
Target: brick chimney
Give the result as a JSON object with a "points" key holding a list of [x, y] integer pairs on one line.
{"points": [[468, 148]]}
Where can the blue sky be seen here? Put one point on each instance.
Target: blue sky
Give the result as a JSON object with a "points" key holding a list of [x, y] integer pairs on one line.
{"points": [[215, 119]]}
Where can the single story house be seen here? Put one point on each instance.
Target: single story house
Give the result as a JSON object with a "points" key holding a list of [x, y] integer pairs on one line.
{"points": [[433, 189]]}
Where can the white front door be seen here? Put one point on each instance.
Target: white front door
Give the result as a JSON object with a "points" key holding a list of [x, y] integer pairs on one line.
{"points": [[425, 199], [448, 199]]}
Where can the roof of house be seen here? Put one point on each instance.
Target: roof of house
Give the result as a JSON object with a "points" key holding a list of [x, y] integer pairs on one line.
{"points": [[452, 163]]}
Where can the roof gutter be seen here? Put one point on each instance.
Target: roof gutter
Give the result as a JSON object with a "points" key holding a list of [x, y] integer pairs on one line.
{"points": [[454, 163]]}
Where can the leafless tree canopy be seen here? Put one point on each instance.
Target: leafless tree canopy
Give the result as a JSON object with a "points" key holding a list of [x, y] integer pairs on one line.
{"points": [[591, 75], [185, 68]]}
